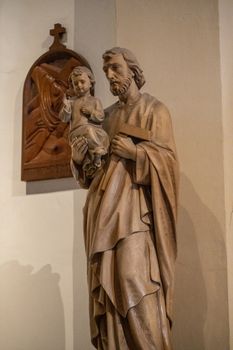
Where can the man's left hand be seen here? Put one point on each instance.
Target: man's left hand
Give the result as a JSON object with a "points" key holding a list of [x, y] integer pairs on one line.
{"points": [[124, 147]]}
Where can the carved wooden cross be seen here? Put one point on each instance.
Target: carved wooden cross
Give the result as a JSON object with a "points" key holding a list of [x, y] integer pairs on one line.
{"points": [[57, 32]]}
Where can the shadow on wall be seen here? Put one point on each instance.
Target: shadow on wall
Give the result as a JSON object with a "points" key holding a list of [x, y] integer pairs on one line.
{"points": [[48, 186], [82, 339], [200, 307], [31, 309]]}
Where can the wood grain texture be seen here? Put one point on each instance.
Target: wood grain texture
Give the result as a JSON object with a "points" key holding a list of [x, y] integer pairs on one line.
{"points": [[45, 148]]}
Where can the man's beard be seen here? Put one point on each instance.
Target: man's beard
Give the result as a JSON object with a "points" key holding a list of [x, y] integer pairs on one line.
{"points": [[121, 87]]}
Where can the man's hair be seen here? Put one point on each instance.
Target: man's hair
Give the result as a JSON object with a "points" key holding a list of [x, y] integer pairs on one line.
{"points": [[79, 70], [130, 60]]}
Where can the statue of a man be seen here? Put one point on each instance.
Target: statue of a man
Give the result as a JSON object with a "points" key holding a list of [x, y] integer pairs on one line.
{"points": [[130, 217]]}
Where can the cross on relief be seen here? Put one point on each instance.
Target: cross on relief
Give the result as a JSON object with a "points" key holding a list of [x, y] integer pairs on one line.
{"points": [[57, 33]]}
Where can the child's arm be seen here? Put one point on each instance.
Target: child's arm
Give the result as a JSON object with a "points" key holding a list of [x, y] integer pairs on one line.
{"points": [[66, 110], [95, 111]]}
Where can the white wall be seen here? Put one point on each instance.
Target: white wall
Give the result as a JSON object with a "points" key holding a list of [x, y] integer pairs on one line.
{"points": [[43, 293], [177, 44], [42, 260], [36, 231], [226, 34]]}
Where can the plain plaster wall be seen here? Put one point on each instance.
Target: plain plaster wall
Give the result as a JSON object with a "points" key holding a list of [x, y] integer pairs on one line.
{"points": [[36, 231], [226, 34], [177, 43], [43, 293]]}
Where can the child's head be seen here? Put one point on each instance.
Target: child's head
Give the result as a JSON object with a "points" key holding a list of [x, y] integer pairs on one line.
{"points": [[82, 80]]}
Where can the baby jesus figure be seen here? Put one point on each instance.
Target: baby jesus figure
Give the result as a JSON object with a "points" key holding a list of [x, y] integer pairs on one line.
{"points": [[86, 115]]}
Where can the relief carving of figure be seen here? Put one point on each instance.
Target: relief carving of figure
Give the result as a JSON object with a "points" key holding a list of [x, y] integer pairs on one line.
{"points": [[46, 150], [130, 216], [45, 134]]}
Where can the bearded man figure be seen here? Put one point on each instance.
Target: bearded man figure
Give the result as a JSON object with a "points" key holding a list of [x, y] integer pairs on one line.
{"points": [[130, 217]]}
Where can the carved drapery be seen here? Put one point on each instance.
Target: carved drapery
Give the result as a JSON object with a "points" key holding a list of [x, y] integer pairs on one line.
{"points": [[45, 147]]}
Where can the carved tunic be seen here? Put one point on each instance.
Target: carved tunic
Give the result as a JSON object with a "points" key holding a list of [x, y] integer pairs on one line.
{"points": [[72, 113], [129, 226], [88, 126]]}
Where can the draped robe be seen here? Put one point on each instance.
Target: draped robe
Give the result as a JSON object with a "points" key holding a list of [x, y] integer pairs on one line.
{"points": [[130, 237]]}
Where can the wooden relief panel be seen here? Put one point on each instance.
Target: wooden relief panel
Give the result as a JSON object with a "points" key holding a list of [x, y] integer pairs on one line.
{"points": [[45, 147]]}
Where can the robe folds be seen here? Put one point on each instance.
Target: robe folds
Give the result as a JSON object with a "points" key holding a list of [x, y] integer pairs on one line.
{"points": [[130, 235]]}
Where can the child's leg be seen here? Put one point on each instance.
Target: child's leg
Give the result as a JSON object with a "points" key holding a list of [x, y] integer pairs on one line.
{"points": [[97, 160]]}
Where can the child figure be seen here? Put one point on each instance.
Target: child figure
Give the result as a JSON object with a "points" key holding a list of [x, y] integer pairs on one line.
{"points": [[86, 115]]}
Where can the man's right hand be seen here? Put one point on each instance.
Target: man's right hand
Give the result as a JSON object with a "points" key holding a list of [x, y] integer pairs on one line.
{"points": [[79, 147]]}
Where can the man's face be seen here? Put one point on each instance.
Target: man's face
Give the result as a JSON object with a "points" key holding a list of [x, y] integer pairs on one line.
{"points": [[118, 74], [81, 84]]}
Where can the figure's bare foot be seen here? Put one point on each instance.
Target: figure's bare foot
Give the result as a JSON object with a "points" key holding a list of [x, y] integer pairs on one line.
{"points": [[97, 161]]}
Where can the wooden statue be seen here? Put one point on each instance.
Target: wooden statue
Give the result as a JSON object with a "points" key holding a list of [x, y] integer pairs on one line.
{"points": [[85, 114], [45, 146], [130, 216]]}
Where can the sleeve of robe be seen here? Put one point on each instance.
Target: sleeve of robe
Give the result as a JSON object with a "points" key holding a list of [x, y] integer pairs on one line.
{"points": [[157, 167], [66, 111]]}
